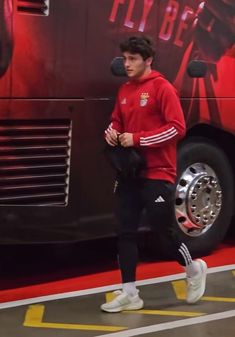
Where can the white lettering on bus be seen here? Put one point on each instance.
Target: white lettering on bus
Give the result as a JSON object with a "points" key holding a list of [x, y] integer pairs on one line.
{"points": [[168, 27]]}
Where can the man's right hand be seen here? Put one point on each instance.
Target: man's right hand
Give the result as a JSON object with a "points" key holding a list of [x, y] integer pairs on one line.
{"points": [[111, 137]]}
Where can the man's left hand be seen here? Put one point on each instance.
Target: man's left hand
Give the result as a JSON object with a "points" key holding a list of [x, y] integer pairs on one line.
{"points": [[126, 139]]}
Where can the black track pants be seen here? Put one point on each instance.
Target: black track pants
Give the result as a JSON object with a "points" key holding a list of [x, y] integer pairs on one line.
{"points": [[157, 198]]}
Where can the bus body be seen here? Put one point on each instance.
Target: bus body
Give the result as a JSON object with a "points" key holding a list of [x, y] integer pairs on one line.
{"points": [[56, 96]]}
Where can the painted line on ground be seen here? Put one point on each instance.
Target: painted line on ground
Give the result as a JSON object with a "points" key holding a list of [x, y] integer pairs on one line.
{"points": [[180, 292], [34, 319], [172, 325], [165, 313], [97, 290]]}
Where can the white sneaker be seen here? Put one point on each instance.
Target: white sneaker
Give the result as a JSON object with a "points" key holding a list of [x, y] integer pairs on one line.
{"points": [[196, 285], [123, 301]]}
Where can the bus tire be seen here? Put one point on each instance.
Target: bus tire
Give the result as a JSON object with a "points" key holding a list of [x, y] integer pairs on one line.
{"points": [[204, 195]]}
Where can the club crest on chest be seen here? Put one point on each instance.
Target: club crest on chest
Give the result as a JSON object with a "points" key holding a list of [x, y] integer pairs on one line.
{"points": [[144, 99]]}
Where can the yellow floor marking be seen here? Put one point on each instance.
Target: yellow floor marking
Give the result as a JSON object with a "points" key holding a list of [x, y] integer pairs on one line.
{"points": [[180, 291], [34, 316], [233, 272], [110, 296], [165, 313]]}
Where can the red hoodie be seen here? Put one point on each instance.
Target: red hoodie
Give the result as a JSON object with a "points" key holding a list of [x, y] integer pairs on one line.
{"points": [[150, 109]]}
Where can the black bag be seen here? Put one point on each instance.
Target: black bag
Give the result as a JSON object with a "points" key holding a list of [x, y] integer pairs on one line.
{"points": [[127, 161]]}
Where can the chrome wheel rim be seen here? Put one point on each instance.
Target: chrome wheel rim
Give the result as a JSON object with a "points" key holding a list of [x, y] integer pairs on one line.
{"points": [[198, 199]]}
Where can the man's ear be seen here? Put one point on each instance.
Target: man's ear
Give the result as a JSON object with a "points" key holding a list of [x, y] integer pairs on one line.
{"points": [[149, 61]]}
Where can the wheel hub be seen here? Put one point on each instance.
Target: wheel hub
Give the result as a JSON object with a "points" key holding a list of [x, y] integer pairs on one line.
{"points": [[198, 199]]}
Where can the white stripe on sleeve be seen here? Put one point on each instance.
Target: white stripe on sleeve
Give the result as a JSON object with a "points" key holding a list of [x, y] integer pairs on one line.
{"points": [[161, 137]]}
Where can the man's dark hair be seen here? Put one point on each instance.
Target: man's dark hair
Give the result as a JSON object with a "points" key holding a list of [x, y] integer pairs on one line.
{"points": [[138, 45]]}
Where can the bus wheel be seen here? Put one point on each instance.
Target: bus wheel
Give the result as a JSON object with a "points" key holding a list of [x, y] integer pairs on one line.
{"points": [[204, 199]]}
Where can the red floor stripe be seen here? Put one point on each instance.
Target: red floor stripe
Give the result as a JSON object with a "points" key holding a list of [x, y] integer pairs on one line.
{"points": [[223, 256]]}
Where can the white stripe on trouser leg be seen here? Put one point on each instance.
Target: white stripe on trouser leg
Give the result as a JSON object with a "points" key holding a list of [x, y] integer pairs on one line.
{"points": [[185, 259], [185, 254], [185, 248]]}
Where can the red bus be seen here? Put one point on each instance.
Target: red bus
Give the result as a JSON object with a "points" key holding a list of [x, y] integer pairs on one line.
{"points": [[56, 96]]}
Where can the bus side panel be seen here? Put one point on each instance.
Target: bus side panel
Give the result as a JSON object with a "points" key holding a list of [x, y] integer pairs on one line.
{"points": [[88, 212], [61, 74], [6, 47], [49, 55]]}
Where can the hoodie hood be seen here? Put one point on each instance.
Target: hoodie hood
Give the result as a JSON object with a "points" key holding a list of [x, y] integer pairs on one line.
{"points": [[154, 74]]}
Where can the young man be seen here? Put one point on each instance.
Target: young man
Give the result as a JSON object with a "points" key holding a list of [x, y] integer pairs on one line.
{"points": [[148, 116]]}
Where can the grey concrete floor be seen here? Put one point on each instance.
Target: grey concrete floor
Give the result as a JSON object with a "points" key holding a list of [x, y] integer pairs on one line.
{"points": [[164, 315]]}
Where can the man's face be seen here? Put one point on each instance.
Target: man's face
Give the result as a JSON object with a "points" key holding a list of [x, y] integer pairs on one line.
{"points": [[135, 66]]}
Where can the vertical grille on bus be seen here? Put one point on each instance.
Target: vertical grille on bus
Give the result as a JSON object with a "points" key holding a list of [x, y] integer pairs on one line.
{"points": [[34, 162], [36, 7]]}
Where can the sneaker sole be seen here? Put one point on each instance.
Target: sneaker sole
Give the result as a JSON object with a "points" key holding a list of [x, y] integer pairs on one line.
{"points": [[204, 270], [133, 306]]}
